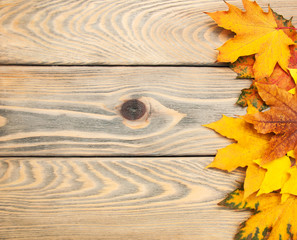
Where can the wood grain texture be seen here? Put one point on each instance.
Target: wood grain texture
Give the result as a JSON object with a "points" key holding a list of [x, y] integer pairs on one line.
{"points": [[147, 199], [115, 31], [74, 111]]}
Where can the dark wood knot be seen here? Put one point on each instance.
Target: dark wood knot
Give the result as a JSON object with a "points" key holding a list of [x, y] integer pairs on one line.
{"points": [[133, 109]]}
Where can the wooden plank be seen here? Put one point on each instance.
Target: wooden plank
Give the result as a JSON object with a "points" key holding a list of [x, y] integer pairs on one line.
{"points": [[115, 198], [75, 111], [115, 31]]}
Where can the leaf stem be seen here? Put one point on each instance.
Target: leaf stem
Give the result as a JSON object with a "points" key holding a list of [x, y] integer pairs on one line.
{"points": [[291, 28]]}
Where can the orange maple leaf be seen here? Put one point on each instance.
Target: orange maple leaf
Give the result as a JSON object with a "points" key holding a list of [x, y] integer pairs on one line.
{"points": [[244, 68], [256, 33], [293, 59], [281, 119]]}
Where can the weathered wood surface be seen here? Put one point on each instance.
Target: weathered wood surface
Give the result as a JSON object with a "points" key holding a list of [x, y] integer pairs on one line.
{"points": [[115, 31], [74, 111], [115, 198]]}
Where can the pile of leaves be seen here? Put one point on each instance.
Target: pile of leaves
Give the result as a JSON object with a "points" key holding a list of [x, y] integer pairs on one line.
{"points": [[263, 49]]}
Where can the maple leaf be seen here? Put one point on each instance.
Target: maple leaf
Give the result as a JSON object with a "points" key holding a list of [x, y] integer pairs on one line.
{"points": [[293, 72], [251, 95], [250, 144], [248, 150], [256, 33], [244, 69], [276, 176], [286, 26], [281, 119], [243, 66], [254, 178], [279, 77], [272, 219], [293, 59], [236, 200], [279, 174], [290, 187], [283, 172], [249, 147]]}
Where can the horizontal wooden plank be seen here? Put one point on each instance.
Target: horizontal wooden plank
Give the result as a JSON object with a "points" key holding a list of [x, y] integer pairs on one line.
{"points": [[115, 198], [115, 31], [75, 111]]}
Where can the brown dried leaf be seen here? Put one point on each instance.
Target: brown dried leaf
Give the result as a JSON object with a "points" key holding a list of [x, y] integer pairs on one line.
{"points": [[281, 119]]}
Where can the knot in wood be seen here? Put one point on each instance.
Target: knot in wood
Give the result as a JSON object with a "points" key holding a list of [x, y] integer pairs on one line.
{"points": [[133, 109]]}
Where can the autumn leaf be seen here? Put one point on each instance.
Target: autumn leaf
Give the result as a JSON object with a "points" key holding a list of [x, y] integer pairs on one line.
{"points": [[291, 184], [236, 200], [251, 95], [293, 68], [281, 119], [286, 26], [244, 69], [250, 144], [293, 65], [250, 147], [263, 49], [256, 33], [254, 178], [279, 77], [276, 176], [272, 219], [293, 73], [293, 58], [243, 66], [279, 174]]}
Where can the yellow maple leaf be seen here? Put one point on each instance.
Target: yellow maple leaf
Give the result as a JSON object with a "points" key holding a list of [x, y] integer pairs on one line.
{"points": [[276, 176], [291, 184], [256, 33], [249, 147], [272, 176], [253, 179], [273, 219], [260, 177], [279, 175], [293, 73]]}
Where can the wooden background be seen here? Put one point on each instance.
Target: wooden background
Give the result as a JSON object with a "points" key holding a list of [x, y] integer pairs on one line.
{"points": [[71, 166]]}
